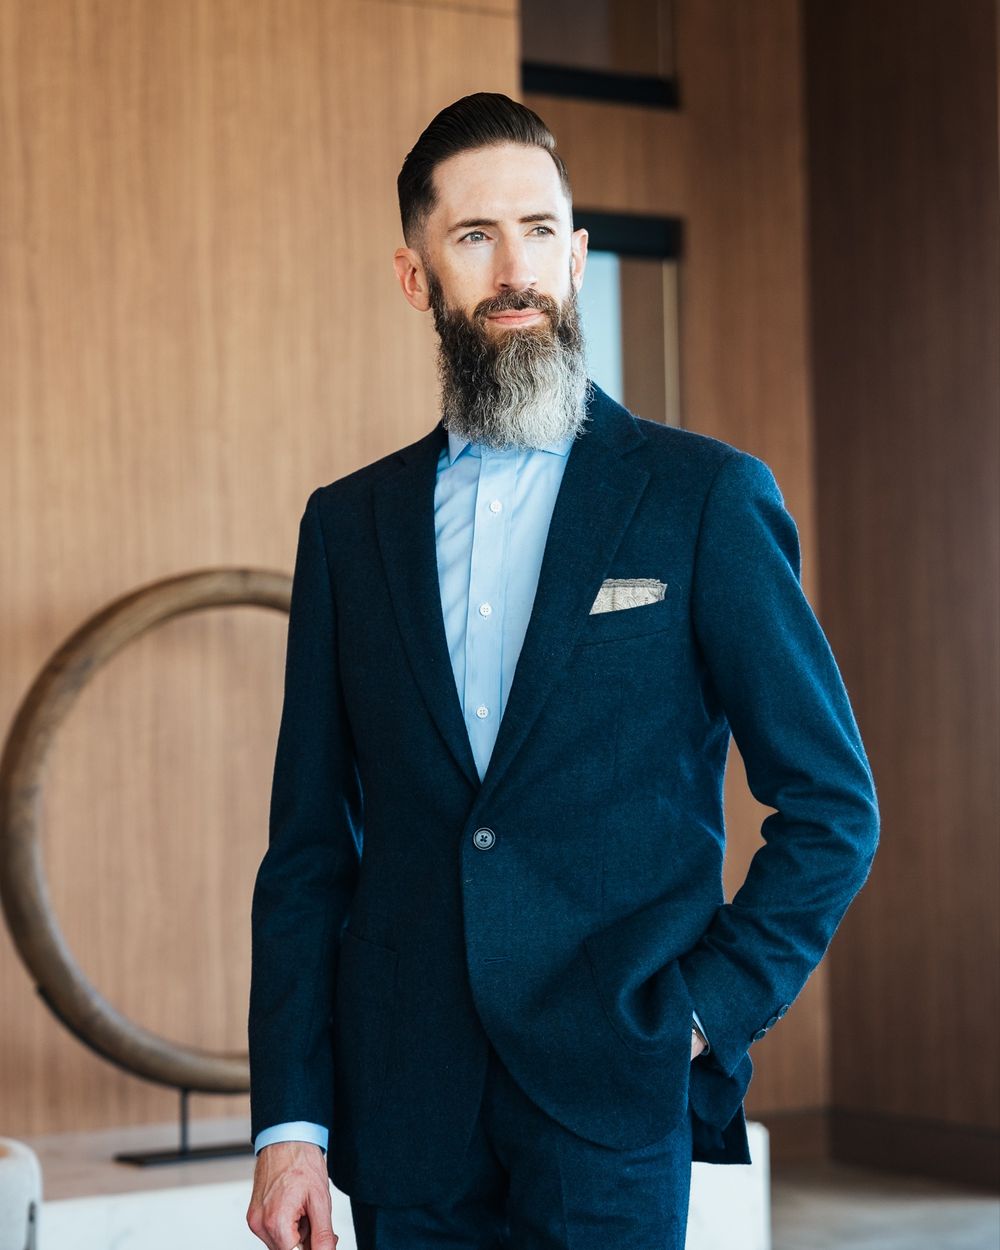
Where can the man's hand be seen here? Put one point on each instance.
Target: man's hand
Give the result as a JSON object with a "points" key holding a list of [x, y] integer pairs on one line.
{"points": [[697, 1045], [290, 1204]]}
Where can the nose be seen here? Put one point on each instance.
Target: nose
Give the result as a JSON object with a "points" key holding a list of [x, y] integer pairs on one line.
{"points": [[514, 268]]}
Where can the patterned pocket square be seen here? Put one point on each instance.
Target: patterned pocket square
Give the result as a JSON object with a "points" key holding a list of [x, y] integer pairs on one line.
{"points": [[627, 592]]}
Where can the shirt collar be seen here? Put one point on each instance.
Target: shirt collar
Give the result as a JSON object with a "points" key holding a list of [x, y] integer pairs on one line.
{"points": [[457, 444]]}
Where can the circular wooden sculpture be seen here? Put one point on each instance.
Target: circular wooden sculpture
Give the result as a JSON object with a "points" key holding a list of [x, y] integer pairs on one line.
{"points": [[23, 890]]}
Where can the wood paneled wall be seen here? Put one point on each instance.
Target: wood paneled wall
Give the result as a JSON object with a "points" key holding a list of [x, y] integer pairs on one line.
{"points": [[731, 163], [199, 322], [905, 211]]}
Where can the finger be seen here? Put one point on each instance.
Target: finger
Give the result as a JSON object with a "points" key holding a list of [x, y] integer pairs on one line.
{"points": [[283, 1229], [319, 1216], [255, 1222]]}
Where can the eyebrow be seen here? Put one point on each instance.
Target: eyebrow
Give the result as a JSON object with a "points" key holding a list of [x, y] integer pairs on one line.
{"points": [[471, 222]]}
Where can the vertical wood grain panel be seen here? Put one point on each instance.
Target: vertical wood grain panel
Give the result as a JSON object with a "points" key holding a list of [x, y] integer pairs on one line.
{"points": [[744, 372], [199, 322], [905, 279]]}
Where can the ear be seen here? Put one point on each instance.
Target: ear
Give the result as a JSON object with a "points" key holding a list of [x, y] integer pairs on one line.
{"points": [[412, 278], [578, 257]]}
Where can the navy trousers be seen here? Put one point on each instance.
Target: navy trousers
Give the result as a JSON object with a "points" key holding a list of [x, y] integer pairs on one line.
{"points": [[530, 1184]]}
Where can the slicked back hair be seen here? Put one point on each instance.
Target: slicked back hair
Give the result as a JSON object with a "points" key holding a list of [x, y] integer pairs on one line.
{"points": [[482, 120]]}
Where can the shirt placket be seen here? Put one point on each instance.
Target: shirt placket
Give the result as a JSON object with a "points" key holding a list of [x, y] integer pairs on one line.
{"points": [[484, 623]]}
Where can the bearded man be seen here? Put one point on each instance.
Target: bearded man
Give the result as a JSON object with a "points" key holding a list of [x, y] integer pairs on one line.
{"points": [[495, 979]]}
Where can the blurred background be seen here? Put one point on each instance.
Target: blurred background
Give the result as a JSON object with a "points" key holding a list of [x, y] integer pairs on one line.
{"points": [[795, 247]]}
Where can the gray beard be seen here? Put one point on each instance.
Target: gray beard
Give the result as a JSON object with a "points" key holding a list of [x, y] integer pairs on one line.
{"points": [[513, 388]]}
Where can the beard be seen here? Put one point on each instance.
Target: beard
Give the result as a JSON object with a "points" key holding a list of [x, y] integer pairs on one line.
{"points": [[511, 386]]}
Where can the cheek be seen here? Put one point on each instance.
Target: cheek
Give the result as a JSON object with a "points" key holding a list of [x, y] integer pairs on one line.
{"points": [[469, 291], [464, 275], [557, 291]]}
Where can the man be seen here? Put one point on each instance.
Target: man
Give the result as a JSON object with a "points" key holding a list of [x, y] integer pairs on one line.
{"points": [[489, 934]]}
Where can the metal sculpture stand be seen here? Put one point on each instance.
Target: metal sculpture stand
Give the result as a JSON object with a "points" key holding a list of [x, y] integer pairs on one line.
{"points": [[185, 1152]]}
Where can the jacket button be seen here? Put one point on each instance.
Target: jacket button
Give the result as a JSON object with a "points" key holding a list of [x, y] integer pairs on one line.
{"points": [[782, 1009], [772, 1022], [759, 1034], [483, 839]]}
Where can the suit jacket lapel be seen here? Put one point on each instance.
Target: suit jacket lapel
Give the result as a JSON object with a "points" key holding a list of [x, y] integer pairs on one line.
{"points": [[404, 518], [597, 498]]}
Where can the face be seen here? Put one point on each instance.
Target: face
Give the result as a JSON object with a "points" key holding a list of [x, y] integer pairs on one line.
{"points": [[499, 240], [499, 268]]}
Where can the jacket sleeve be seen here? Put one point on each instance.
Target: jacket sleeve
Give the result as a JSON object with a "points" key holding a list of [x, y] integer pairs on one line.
{"points": [[308, 875], [776, 679]]}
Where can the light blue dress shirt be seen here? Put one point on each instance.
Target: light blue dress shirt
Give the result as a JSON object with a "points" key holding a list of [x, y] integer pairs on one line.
{"points": [[491, 519]]}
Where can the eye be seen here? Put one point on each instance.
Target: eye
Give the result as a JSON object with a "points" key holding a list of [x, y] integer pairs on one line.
{"points": [[482, 234]]}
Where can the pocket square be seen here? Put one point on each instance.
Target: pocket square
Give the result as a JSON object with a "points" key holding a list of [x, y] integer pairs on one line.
{"points": [[627, 592]]}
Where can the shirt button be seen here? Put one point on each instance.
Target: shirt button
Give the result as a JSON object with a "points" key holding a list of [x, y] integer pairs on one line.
{"points": [[483, 839], [495, 505], [485, 609], [482, 711]]}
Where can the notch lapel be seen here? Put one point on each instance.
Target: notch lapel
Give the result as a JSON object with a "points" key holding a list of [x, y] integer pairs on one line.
{"points": [[404, 519], [597, 499]]}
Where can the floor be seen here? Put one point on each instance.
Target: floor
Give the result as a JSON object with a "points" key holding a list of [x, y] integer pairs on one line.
{"points": [[814, 1207], [835, 1207]]}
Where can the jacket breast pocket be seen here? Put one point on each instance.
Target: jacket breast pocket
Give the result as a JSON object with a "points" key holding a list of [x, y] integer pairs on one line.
{"points": [[646, 618]]}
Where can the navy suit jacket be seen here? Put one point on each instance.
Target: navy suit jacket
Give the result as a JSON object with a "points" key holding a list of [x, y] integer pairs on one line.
{"points": [[580, 938]]}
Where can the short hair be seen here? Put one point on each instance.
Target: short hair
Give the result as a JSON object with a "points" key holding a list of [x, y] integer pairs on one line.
{"points": [[482, 120]]}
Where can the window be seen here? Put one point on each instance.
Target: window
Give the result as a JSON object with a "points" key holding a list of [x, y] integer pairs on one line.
{"points": [[629, 310]]}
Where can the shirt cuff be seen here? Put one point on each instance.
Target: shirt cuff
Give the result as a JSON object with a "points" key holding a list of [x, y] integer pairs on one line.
{"points": [[293, 1130], [699, 1029]]}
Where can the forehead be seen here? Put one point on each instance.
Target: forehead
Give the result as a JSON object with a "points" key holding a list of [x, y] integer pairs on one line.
{"points": [[497, 182]]}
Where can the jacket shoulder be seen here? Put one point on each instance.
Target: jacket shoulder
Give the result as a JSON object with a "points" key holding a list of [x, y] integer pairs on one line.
{"points": [[699, 457], [348, 490]]}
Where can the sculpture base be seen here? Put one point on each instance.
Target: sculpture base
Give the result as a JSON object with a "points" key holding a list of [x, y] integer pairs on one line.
{"points": [[190, 1154]]}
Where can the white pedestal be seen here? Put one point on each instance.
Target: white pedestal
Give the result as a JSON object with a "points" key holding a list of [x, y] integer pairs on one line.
{"points": [[20, 1194], [731, 1205]]}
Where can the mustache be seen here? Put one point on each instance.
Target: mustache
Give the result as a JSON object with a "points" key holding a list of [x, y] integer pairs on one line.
{"points": [[516, 301]]}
